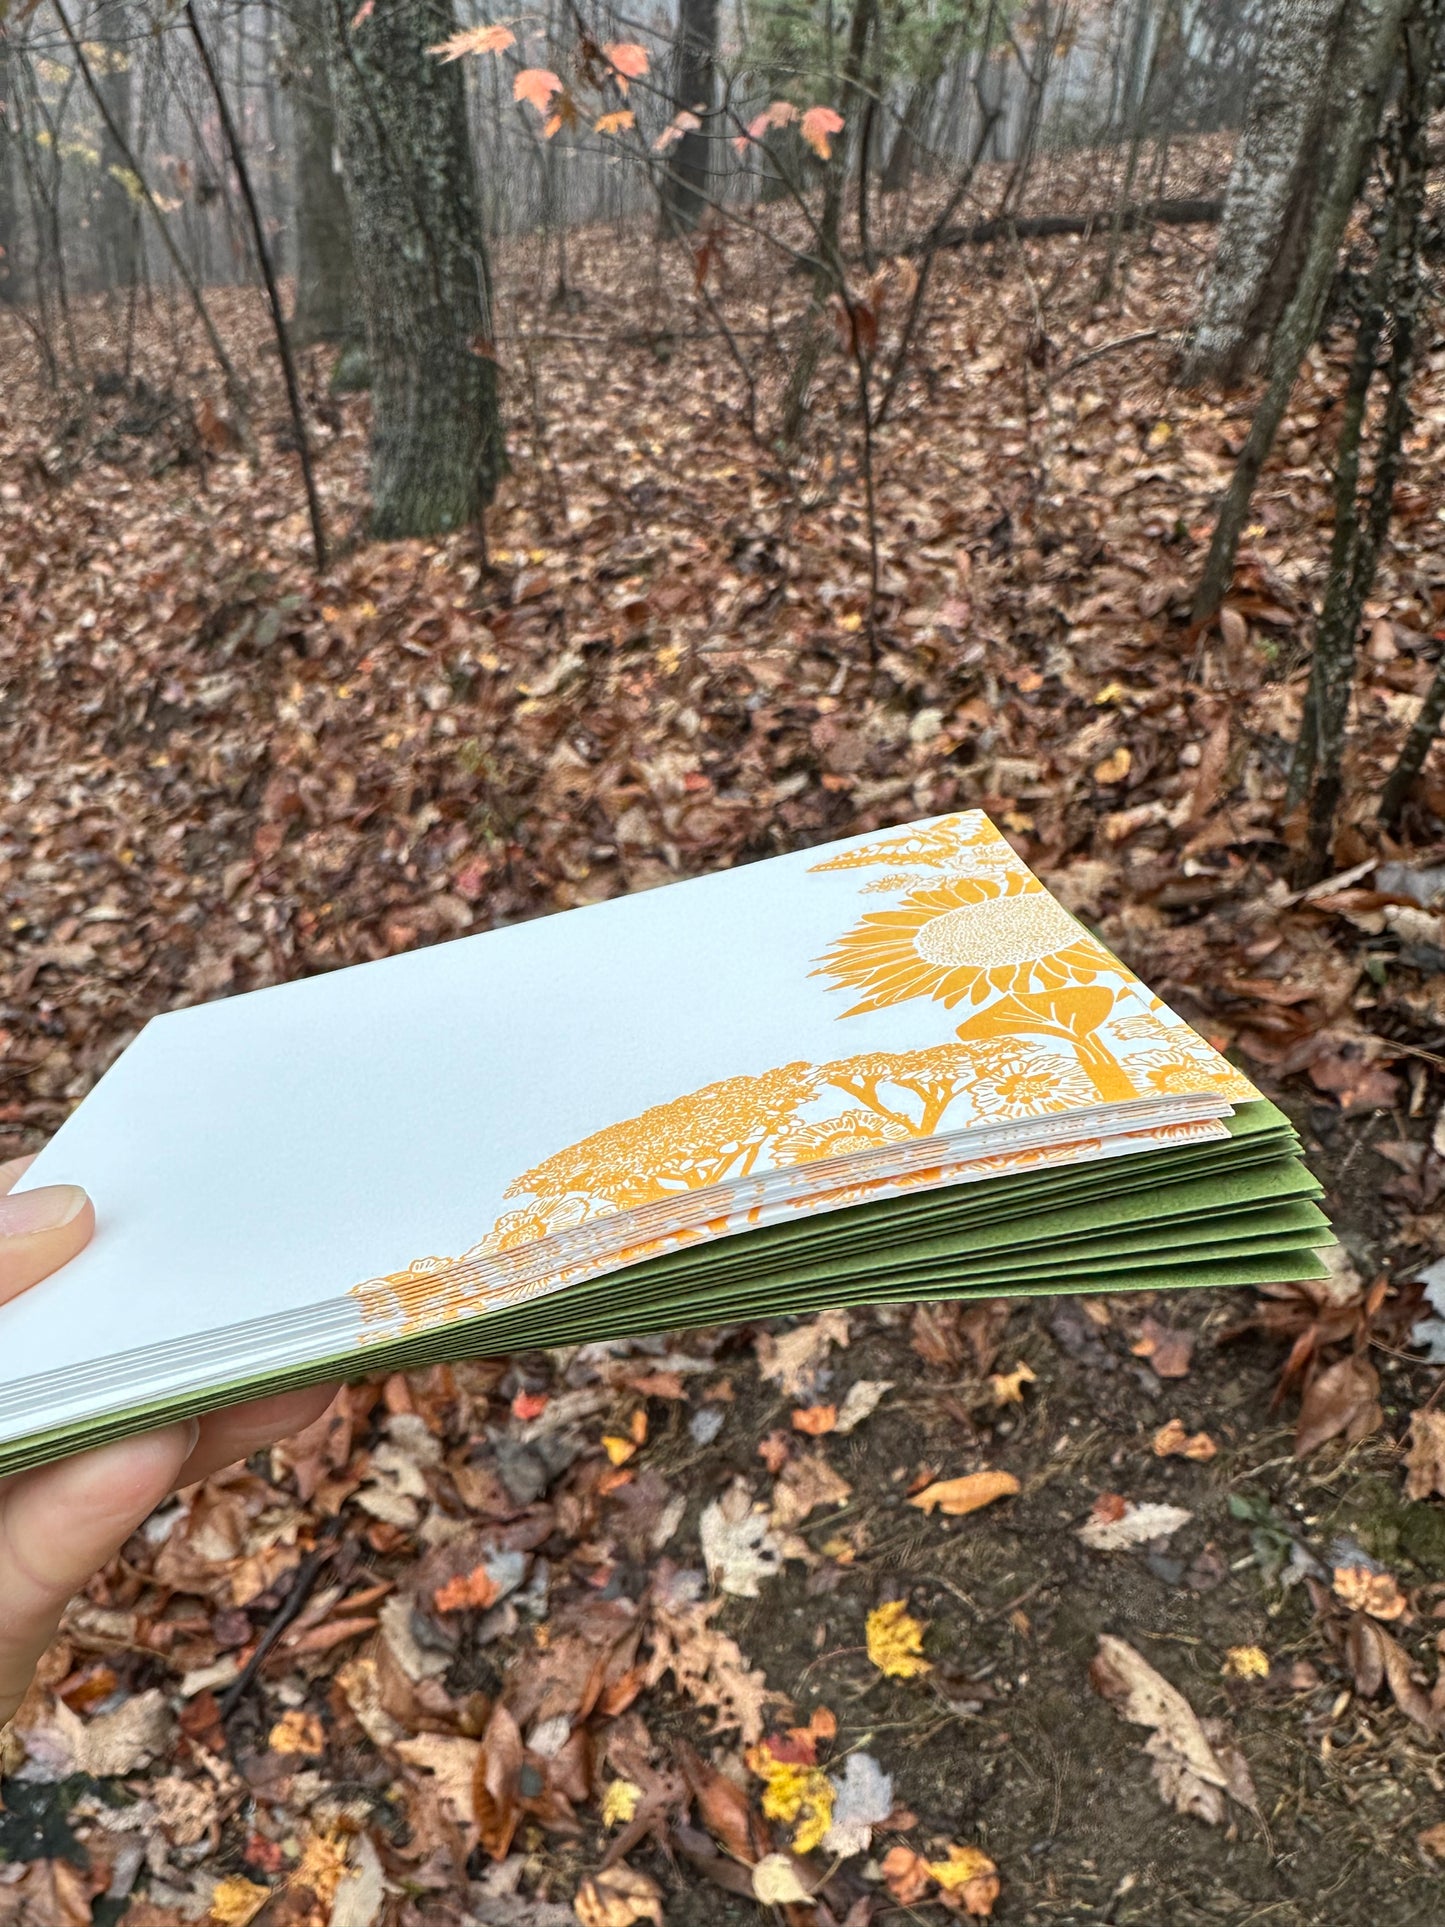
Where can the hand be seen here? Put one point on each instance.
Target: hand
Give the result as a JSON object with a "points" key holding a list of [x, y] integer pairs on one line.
{"points": [[59, 1524]]}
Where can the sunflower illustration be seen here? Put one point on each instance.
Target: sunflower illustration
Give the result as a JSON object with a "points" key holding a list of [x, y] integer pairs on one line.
{"points": [[969, 937]]}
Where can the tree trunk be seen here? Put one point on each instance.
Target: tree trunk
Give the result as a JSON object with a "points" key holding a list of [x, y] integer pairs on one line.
{"points": [[687, 186], [114, 205], [327, 301], [9, 202], [411, 186], [1273, 185], [1373, 56]]}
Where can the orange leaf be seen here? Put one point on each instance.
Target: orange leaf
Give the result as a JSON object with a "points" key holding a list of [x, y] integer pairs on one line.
{"points": [[819, 125], [616, 123], [966, 1494], [815, 1420], [627, 60], [536, 85], [469, 1589]]}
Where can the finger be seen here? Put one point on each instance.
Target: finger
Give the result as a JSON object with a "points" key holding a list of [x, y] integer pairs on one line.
{"points": [[244, 1429], [14, 1171], [40, 1231], [58, 1525]]}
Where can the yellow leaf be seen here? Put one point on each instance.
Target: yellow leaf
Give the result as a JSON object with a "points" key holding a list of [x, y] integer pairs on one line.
{"points": [[794, 1791], [1246, 1662], [617, 1449], [969, 1873], [323, 1865], [967, 1494], [619, 1803], [1115, 766], [1159, 434], [895, 1641], [1008, 1387], [236, 1901], [298, 1732], [615, 123]]}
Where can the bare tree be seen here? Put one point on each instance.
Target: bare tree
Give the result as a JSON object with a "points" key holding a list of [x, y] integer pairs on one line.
{"points": [[411, 185], [1301, 105], [327, 300], [9, 202], [687, 185], [116, 196]]}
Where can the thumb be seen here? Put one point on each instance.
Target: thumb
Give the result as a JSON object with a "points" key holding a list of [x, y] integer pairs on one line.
{"points": [[58, 1525], [40, 1230]]}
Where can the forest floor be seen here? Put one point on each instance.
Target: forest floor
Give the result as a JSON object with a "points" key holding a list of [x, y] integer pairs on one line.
{"points": [[217, 771]]}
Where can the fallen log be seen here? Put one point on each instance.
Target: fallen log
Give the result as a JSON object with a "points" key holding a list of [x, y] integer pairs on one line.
{"points": [[1193, 211]]}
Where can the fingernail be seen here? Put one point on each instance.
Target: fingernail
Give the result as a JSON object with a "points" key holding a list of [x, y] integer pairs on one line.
{"points": [[25, 1212]]}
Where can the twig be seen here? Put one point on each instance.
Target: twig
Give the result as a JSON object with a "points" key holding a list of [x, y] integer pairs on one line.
{"points": [[302, 1587], [1109, 347]]}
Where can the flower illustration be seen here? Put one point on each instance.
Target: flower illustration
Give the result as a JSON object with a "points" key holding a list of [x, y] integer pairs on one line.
{"points": [[969, 937]]}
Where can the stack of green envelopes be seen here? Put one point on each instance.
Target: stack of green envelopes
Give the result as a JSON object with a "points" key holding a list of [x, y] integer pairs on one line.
{"points": [[891, 1069]]}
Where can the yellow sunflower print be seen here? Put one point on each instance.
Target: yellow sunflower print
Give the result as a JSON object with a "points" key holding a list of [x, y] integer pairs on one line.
{"points": [[970, 937]]}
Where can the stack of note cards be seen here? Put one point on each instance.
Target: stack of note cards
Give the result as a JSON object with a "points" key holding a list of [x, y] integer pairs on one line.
{"points": [[889, 1069]]}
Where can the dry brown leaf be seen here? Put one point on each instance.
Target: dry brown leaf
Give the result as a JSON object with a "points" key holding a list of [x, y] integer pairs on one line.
{"points": [[1187, 1770], [1172, 1441], [1168, 1351], [1343, 1398], [617, 1896]]}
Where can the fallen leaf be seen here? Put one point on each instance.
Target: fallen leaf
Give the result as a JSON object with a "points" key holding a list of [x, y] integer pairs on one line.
{"points": [[815, 1420], [616, 1897], [895, 1641], [1172, 1441], [236, 1901], [863, 1800], [1431, 1840], [776, 1882], [794, 1358], [361, 1892], [1375, 1593], [805, 1484], [105, 1746], [738, 1546], [1246, 1662], [468, 1591], [619, 1803], [906, 1873], [1115, 766], [796, 1791], [971, 1875], [1344, 1397], [1168, 1351], [1109, 1530], [1187, 1771], [965, 1494], [1008, 1387], [298, 1732], [862, 1400]]}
